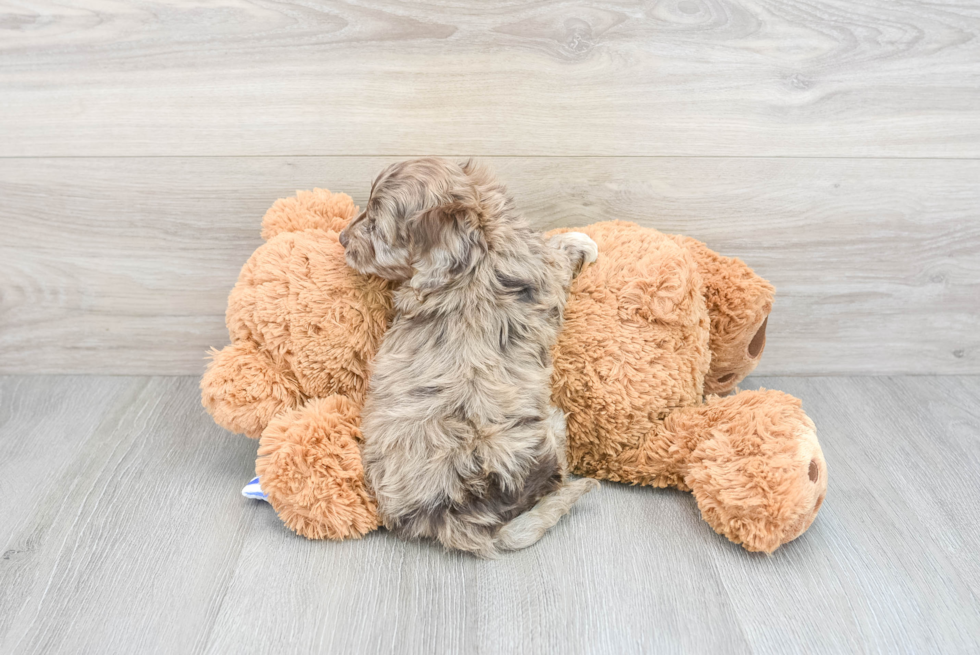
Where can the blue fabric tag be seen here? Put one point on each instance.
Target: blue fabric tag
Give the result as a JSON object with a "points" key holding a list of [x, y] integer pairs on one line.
{"points": [[254, 490]]}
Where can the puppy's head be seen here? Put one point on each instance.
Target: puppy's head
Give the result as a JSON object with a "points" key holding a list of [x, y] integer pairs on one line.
{"points": [[422, 222]]}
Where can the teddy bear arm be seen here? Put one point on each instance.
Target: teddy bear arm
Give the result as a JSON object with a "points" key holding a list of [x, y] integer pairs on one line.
{"points": [[753, 463], [739, 303], [309, 465], [243, 390]]}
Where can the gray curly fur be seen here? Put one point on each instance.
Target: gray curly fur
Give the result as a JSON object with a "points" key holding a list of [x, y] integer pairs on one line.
{"points": [[461, 442]]}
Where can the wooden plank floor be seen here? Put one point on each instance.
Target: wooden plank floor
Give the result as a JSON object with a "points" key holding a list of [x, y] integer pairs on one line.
{"points": [[122, 530]]}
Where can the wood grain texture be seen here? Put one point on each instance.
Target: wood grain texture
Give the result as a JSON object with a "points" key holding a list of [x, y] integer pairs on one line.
{"points": [[124, 265], [897, 569], [143, 544], [379, 77], [137, 538], [44, 426]]}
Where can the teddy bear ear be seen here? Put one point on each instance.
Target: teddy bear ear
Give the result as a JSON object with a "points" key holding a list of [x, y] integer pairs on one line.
{"points": [[318, 209]]}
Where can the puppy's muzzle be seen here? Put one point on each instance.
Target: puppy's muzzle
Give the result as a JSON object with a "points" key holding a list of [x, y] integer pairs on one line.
{"points": [[344, 239]]}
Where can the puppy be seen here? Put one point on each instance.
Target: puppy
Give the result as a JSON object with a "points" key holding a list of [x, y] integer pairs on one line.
{"points": [[461, 443]]}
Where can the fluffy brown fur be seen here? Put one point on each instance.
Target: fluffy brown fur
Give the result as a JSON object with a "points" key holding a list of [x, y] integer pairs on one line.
{"points": [[649, 328], [738, 303], [752, 459], [461, 443]]}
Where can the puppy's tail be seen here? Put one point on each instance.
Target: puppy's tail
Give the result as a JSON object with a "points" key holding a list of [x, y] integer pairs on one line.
{"points": [[530, 526]]}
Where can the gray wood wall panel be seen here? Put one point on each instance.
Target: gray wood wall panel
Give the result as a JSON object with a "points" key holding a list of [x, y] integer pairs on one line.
{"points": [[123, 265], [138, 541], [379, 77]]}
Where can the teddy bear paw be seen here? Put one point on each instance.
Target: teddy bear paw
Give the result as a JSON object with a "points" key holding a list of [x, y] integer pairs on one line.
{"points": [[309, 469]]}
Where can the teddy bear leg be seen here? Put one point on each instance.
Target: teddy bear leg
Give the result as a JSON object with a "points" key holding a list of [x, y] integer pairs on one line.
{"points": [[739, 303], [754, 465], [243, 391], [309, 465]]}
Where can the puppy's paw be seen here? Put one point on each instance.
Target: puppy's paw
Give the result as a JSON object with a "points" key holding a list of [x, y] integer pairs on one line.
{"points": [[580, 247], [588, 247]]}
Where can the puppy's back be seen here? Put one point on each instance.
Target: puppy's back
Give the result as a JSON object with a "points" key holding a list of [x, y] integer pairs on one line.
{"points": [[461, 441]]}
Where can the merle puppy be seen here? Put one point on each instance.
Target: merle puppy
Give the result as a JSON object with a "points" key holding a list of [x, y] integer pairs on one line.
{"points": [[461, 442]]}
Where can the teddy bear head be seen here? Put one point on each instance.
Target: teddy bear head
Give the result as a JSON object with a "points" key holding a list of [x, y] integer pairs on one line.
{"points": [[302, 323]]}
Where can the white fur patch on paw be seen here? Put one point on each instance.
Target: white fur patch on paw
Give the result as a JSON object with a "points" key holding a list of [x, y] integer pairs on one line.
{"points": [[585, 242]]}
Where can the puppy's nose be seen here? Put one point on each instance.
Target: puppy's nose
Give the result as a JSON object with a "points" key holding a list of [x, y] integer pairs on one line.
{"points": [[343, 238]]}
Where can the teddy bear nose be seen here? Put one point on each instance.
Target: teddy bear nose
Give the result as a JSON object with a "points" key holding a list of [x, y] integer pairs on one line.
{"points": [[343, 238]]}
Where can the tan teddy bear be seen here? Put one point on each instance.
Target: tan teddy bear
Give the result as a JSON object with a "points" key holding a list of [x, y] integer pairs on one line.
{"points": [[656, 332]]}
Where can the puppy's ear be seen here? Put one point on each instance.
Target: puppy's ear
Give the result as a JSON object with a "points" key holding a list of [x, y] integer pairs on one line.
{"points": [[445, 242]]}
